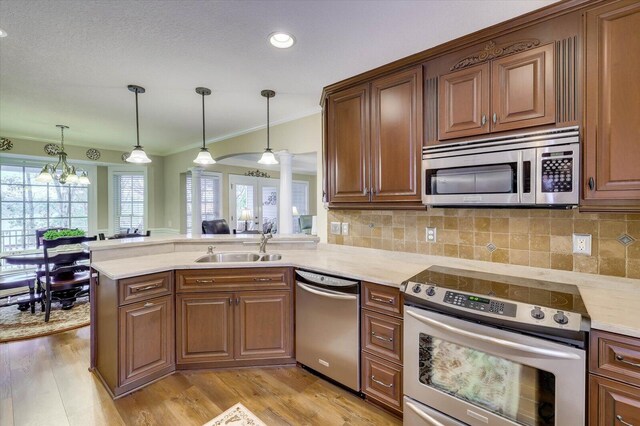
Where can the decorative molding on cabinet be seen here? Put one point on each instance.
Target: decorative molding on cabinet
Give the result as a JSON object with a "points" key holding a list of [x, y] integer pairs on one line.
{"points": [[491, 51], [567, 89], [431, 109]]}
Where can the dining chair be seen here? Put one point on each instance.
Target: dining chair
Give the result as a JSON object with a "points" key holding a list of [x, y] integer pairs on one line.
{"points": [[67, 271]]}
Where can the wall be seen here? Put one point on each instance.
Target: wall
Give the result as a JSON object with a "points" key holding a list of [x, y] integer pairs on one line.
{"points": [[34, 150], [298, 137], [540, 238]]}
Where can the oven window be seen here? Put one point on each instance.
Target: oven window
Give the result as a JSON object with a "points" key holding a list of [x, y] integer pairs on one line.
{"points": [[489, 179], [515, 391]]}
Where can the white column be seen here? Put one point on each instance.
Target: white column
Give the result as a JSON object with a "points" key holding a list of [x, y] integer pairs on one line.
{"points": [[285, 225], [196, 196]]}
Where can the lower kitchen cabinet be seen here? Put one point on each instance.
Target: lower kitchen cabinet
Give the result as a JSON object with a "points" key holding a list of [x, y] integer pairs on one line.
{"points": [[146, 339], [614, 379], [382, 381]]}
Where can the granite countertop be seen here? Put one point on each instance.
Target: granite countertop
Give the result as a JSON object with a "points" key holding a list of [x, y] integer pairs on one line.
{"points": [[612, 302]]}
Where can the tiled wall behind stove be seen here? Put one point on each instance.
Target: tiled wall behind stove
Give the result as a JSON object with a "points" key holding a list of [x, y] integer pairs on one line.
{"points": [[540, 238]]}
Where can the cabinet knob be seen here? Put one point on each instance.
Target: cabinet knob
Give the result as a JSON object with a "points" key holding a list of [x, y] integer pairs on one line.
{"points": [[484, 119], [592, 183], [495, 118]]}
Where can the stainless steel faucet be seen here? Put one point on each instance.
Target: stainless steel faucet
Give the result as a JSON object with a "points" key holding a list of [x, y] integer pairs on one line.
{"points": [[210, 249], [264, 238]]}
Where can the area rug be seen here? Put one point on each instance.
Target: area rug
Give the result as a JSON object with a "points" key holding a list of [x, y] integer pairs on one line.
{"points": [[19, 325], [238, 415]]}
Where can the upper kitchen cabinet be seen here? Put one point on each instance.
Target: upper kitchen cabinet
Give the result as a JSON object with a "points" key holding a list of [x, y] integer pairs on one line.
{"points": [[464, 102], [373, 141], [348, 145], [510, 92], [612, 107]]}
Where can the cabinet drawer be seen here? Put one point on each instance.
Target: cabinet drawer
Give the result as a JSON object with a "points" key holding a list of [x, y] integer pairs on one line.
{"points": [[382, 335], [382, 298], [612, 403], [145, 287], [615, 356], [196, 280], [382, 381]]}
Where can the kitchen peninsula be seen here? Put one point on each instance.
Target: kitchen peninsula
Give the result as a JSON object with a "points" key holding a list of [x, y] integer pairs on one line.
{"points": [[147, 294]]}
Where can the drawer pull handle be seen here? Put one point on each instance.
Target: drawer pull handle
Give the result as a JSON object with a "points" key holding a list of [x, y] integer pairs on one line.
{"points": [[263, 279], [621, 420], [373, 378], [145, 288], [146, 305], [621, 359], [380, 299], [385, 339], [204, 281], [484, 120], [495, 118]]}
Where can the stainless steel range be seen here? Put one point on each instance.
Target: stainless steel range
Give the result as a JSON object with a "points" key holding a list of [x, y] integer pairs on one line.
{"points": [[484, 349]]}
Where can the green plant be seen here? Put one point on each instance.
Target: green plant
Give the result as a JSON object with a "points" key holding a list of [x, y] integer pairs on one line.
{"points": [[65, 233]]}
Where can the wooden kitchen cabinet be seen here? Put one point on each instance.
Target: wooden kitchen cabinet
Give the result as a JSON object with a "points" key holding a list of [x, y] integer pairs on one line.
{"points": [[146, 340], [611, 155], [373, 141], [507, 93], [464, 106], [614, 379], [234, 317], [205, 328]]}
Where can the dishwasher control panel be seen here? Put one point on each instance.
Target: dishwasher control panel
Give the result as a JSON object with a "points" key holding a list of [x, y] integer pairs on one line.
{"points": [[325, 280]]}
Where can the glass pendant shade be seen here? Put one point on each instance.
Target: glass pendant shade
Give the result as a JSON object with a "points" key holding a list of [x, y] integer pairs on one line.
{"points": [[138, 156], [204, 157], [84, 179], [268, 158], [44, 176]]}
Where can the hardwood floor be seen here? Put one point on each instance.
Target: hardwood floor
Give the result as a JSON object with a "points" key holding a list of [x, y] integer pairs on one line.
{"points": [[45, 381]]}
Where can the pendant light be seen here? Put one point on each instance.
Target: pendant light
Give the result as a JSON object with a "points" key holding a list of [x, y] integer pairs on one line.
{"points": [[204, 156], [138, 155], [267, 156]]}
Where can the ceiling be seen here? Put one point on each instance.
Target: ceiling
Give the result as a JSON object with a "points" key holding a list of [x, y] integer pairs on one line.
{"points": [[69, 62]]}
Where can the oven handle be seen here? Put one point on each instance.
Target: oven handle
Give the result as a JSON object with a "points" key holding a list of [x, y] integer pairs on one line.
{"points": [[422, 414], [332, 295], [512, 345]]}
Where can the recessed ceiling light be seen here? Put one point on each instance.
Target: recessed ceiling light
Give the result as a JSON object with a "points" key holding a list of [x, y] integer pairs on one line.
{"points": [[281, 40], [3, 33]]}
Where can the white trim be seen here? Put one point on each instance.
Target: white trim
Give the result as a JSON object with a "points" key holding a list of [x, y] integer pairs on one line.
{"points": [[121, 169]]}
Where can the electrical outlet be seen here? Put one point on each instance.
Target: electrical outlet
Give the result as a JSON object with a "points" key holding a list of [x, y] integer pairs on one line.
{"points": [[582, 244], [345, 228], [335, 228], [432, 235]]}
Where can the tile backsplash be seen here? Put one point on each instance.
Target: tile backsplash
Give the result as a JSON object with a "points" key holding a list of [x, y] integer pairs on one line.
{"points": [[533, 237]]}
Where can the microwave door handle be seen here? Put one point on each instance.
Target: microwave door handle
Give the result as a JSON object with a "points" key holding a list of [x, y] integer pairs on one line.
{"points": [[530, 156], [550, 353], [520, 177]]}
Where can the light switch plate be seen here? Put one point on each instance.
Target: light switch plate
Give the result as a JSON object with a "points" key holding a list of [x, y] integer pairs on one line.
{"points": [[335, 228], [345, 228], [431, 235], [582, 244]]}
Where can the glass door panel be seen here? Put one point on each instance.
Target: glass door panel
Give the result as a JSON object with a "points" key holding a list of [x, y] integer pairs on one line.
{"points": [[269, 201]]}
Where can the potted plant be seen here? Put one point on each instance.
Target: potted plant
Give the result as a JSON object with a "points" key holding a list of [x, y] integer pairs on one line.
{"points": [[63, 233]]}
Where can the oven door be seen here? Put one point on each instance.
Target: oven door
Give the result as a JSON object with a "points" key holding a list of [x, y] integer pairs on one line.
{"points": [[480, 375], [494, 178]]}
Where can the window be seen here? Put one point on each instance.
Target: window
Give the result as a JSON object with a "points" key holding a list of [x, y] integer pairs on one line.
{"points": [[210, 197], [27, 205], [129, 201], [300, 200]]}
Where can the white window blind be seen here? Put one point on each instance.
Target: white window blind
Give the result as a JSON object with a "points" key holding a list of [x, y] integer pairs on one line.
{"points": [[210, 197], [27, 205], [129, 201]]}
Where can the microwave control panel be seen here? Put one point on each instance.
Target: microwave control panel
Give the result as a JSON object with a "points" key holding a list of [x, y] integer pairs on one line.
{"points": [[557, 170]]}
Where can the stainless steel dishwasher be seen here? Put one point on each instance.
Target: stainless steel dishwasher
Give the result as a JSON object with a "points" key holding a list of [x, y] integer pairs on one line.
{"points": [[328, 326]]}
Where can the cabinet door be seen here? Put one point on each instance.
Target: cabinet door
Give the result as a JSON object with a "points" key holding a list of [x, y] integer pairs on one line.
{"points": [[204, 330], [146, 339], [523, 90], [612, 403], [396, 136], [464, 103], [348, 145], [612, 97], [263, 325]]}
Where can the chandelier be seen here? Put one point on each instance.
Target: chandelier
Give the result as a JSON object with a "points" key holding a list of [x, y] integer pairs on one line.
{"points": [[62, 171]]}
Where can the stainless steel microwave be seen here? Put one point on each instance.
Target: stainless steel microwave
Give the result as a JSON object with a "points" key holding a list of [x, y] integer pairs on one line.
{"points": [[530, 169]]}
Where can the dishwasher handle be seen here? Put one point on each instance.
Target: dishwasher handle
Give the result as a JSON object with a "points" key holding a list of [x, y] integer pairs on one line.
{"points": [[324, 293]]}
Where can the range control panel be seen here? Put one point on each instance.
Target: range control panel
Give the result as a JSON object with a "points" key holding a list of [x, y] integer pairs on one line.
{"points": [[482, 304]]}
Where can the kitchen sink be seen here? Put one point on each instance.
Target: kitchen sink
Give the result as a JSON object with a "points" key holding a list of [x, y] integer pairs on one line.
{"points": [[238, 257]]}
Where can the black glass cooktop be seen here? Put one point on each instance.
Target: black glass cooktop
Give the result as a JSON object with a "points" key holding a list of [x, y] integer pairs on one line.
{"points": [[565, 297]]}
